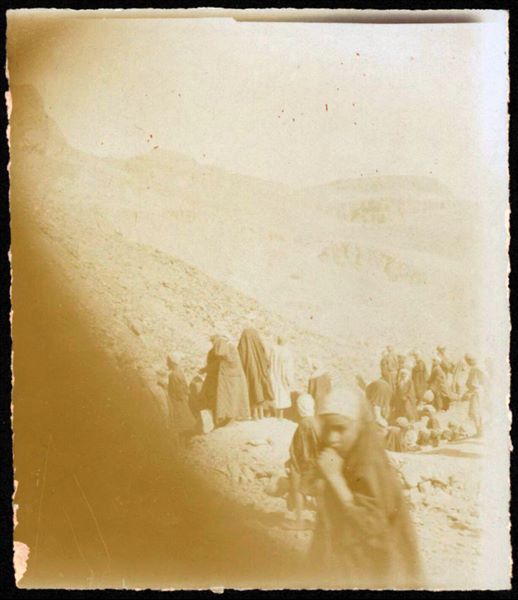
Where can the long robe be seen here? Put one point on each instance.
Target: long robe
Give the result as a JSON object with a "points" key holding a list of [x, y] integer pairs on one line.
{"points": [[281, 374], [256, 367], [231, 400], [475, 389], [224, 390], [195, 395], [404, 404], [389, 368], [447, 365], [209, 391], [181, 417], [319, 386], [371, 541], [438, 383], [395, 440], [379, 393], [460, 376], [420, 378], [304, 445]]}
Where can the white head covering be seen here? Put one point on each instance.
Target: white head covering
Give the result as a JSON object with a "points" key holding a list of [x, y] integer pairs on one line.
{"points": [[402, 422], [306, 405], [428, 396], [342, 401]]}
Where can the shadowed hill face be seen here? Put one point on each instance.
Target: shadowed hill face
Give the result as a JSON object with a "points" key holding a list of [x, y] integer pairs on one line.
{"points": [[103, 499], [32, 130]]}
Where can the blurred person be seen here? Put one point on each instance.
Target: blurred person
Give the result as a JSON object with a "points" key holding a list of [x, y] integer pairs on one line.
{"points": [[301, 465], [475, 392], [401, 436], [419, 375], [404, 403], [364, 536], [182, 421], [459, 378], [257, 371], [195, 395], [447, 365], [282, 376], [209, 389], [319, 384], [225, 385], [438, 383], [431, 432], [389, 366], [379, 394]]}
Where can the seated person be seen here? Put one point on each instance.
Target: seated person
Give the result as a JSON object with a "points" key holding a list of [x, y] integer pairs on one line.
{"points": [[398, 439], [431, 433]]}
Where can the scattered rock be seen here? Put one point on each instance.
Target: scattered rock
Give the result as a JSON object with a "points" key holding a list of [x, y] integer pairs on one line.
{"points": [[257, 442]]}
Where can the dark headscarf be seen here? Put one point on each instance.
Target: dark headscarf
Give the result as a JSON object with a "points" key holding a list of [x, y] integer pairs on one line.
{"points": [[379, 393]]}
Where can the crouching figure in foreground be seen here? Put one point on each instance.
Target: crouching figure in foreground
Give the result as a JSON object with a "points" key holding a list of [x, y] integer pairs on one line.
{"points": [[364, 536]]}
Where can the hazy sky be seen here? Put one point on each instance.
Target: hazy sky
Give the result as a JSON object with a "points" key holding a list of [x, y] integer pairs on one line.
{"points": [[296, 102]]}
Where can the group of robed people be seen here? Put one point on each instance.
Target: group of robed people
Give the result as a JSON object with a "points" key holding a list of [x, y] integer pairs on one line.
{"points": [[250, 380], [408, 397], [363, 533]]}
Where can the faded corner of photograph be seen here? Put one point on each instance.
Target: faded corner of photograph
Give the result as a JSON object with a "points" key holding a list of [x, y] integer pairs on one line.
{"points": [[260, 307]]}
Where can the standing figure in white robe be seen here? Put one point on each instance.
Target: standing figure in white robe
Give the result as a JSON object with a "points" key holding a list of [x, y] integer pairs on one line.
{"points": [[281, 373]]}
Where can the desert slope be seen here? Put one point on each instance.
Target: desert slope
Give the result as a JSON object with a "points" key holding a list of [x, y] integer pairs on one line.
{"points": [[157, 251], [370, 260]]}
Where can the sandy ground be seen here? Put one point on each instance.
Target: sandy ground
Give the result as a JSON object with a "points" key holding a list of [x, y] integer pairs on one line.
{"points": [[441, 485]]}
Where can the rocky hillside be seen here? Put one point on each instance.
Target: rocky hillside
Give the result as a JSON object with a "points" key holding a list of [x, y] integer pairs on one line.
{"points": [[360, 260], [155, 252]]}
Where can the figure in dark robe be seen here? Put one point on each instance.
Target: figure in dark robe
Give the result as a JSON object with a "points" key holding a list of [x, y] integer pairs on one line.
{"points": [[209, 389], [257, 371], [379, 393], [364, 535], [182, 421], [404, 404], [447, 364], [438, 383], [196, 395], [225, 389], [432, 431], [301, 465], [419, 376]]}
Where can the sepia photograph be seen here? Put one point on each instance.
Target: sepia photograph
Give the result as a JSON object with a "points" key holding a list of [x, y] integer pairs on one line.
{"points": [[260, 306]]}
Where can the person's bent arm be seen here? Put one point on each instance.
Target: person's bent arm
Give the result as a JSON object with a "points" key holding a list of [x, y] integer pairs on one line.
{"points": [[363, 509]]}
